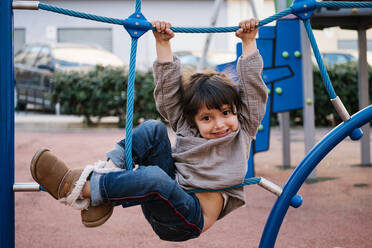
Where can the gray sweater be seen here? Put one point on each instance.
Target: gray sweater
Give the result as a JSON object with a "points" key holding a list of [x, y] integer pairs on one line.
{"points": [[214, 163]]}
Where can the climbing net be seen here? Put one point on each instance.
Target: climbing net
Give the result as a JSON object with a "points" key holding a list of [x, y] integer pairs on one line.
{"points": [[136, 25]]}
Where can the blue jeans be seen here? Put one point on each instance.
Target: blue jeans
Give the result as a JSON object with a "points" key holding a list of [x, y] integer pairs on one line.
{"points": [[173, 214]]}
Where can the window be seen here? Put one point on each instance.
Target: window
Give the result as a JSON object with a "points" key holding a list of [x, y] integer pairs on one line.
{"points": [[19, 39], [352, 44], [89, 36], [19, 57], [44, 57], [32, 53]]}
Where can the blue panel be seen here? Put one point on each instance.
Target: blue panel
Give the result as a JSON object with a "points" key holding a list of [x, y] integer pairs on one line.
{"points": [[6, 126], [266, 48], [266, 32], [238, 49], [263, 135], [229, 69], [250, 171], [291, 96], [270, 75]]}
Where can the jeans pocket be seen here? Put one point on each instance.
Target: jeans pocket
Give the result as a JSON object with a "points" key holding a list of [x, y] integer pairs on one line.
{"points": [[173, 232]]}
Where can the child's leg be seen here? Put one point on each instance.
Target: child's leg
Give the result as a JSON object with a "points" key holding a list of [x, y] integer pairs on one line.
{"points": [[66, 185], [150, 145], [173, 214]]}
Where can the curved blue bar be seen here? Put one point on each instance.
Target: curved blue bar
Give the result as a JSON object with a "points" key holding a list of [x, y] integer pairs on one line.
{"points": [[304, 169]]}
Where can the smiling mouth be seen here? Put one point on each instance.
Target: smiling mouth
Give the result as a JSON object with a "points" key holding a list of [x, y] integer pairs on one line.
{"points": [[222, 133]]}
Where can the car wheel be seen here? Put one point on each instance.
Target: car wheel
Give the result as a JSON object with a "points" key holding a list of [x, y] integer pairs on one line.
{"points": [[17, 104]]}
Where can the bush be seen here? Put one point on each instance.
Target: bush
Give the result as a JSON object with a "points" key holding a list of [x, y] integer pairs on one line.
{"points": [[102, 92], [344, 78]]}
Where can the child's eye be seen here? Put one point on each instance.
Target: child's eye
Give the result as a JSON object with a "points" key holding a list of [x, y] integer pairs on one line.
{"points": [[226, 112], [205, 118]]}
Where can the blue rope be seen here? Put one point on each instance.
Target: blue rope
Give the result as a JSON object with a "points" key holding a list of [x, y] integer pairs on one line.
{"points": [[228, 29], [80, 14], [247, 181], [345, 4], [138, 6], [322, 68], [130, 101], [175, 29]]}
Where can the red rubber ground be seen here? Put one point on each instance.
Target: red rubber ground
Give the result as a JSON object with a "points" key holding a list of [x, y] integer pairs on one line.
{"points": [[335, 213]]}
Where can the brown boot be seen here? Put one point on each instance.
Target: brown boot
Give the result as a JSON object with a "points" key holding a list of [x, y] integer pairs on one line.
{"points": [[96, 216], [66, 185], [53, 174]]}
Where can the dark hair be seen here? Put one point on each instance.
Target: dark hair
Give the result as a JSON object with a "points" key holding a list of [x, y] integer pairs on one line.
{"points": [[210, 89]]}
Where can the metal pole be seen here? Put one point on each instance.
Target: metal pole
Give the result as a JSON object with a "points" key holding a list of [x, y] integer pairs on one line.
{"points": [[308, 92], [6, 126], [284, 118], [363, 93], [253, 7], [216, 9]]}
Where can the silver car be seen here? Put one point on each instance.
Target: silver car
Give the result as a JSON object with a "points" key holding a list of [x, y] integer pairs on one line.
{"points": [[36, 63]]}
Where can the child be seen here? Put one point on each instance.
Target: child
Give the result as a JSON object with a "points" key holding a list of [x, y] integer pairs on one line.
{"points": [[214, 122]]}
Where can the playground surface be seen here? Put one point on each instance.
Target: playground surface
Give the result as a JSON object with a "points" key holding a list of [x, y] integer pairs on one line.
{"points": [[335, 212]]}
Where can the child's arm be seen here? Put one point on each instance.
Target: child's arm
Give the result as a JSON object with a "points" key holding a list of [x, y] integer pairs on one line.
{"points": [[162, 35], [253, 90], [167, 75], [247, 33]]}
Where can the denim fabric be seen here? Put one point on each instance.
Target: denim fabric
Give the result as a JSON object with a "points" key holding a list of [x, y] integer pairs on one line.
{"points": [[173, 214]]}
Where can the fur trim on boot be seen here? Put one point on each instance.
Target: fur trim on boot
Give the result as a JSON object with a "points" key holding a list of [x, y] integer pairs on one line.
{"points": [[73, 199]]}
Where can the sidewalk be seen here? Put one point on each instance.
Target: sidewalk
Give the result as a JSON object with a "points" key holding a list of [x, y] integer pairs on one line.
{"points": [[37, 121]]}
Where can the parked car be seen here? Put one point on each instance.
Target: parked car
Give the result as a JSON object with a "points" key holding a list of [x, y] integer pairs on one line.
{"points": [[189, 59], [36, 63], [332, 58]]}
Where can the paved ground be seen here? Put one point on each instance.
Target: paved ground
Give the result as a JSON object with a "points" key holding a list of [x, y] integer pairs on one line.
{"points": [[335, 213]]}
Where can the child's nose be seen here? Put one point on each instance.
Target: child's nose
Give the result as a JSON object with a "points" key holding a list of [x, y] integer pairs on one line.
{"points": [[219, 122]]}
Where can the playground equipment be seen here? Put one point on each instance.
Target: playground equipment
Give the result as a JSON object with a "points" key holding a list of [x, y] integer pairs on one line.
{"points": [[282, 74], [137, 25]]}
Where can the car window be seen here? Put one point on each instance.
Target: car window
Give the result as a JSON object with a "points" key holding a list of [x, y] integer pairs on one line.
{"points": [[44, 57], [189, 60], [18, 58], [32, 53], [336, 59]]}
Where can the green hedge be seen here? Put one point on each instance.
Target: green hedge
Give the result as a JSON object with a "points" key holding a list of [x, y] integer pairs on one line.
{"points": [[102, 92], [344, 78]]}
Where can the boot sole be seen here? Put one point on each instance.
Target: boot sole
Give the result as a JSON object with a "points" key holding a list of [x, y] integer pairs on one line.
{"points": [[34, 160], [100, 221]]}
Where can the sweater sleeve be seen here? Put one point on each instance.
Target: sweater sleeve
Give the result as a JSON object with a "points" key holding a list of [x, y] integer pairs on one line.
{"points": [[253, 92], [167, 93]]}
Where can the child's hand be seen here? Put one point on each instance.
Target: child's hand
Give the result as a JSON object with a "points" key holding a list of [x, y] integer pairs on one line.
{"points": [[247, 29], [163, 31]]}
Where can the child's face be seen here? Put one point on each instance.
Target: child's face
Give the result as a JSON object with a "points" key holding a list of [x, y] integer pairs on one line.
{"points": [[216, 123]]}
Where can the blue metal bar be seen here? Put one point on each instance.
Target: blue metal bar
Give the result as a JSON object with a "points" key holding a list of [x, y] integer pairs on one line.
{"points": [[6, 126], [304, 169]]}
